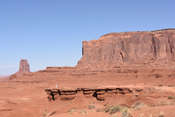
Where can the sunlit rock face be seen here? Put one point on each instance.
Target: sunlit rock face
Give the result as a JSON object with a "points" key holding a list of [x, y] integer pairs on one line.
{"points": [[129, 48]]}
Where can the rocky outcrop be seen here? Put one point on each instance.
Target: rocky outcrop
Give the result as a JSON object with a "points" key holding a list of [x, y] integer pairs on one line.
{"points": [[129, 48], [24, 69], [98, 93], [24, 66]]}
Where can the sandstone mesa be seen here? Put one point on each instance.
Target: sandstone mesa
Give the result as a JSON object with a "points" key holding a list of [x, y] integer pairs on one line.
{"points": [[129, 48]]}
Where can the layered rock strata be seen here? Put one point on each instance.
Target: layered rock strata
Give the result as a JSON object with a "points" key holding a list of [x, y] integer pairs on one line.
{"points": [[129, 48]]}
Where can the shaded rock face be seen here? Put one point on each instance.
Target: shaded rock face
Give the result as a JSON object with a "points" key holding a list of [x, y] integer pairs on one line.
{"points": [[24, 66], [129, 48]]}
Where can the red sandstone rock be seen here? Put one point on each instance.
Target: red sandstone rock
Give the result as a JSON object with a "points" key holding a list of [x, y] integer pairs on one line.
{"points": [[129, 48], [24, 66]]}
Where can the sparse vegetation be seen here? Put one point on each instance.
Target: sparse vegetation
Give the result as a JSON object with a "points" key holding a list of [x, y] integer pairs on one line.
{"points": [[91, 107], [83, 112], [138, 105], [71, 111], [113, 109], [125, 113], [171, 97], [45, 113], [163, 103]]}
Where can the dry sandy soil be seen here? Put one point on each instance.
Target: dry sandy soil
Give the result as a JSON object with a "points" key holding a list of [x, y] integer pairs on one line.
{"points": [[24, 96]]}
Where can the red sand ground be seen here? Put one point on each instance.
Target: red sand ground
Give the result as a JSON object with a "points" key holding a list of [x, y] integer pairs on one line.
{"points": [[25, 96]]}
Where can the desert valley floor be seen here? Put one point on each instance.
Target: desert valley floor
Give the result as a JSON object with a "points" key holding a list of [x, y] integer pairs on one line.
{"points": [[25, 96]]}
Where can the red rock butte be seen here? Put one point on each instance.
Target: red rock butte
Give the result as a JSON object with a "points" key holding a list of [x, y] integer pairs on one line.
{"points": [[24, 66], [154, 48]]}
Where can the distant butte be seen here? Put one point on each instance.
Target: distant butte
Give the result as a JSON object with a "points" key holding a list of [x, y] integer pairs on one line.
{"points": [[24, 66]]}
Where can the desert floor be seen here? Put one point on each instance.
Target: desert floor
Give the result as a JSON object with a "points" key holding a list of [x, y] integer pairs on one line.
{"points": [[25, 96]]}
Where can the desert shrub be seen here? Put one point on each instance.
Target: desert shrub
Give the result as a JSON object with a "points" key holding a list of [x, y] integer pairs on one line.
{"points": [[45, 113], [91, 106], [113, 109], [125, 113], [71, 111], [137, 105], [83, 112], [171, 97]]}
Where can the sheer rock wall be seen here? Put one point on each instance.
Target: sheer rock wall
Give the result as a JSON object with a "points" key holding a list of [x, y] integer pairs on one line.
{"points": [[129, 48]]}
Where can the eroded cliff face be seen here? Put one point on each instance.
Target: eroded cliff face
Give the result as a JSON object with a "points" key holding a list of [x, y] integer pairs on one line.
{"points": [[129, 48]]}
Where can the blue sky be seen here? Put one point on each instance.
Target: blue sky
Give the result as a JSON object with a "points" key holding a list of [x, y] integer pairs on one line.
{"points": [[50, 32]]}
